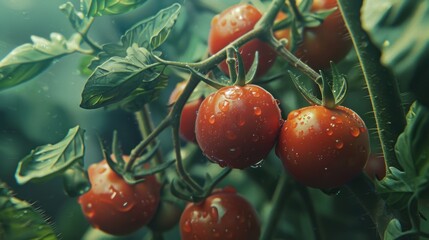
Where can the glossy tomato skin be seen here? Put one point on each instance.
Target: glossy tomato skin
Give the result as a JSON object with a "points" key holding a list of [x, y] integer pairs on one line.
{"points": [[115, 207], [231, 24], [323, 148], [188, 115], [223, 215], [327, 42], [237, 126]]}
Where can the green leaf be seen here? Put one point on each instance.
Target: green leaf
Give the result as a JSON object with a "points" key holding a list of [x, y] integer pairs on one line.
{"points": [[125, 79], [50, 160], [412, 151], [412, 146], [29, 60], [393, 230], [77, 19], [396, 188], [393, 26], [149, 33], [110, 7], [19, 220]]}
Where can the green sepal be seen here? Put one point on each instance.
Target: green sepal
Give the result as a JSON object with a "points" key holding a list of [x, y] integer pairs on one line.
{"points": [[305, 92], [393, 230], [250, 75]]}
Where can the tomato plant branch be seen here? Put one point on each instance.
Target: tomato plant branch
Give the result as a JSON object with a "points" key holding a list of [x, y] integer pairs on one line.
{"points": [[294, 61], [303, 191], [145, 124], [277, 202], [382, 87], [138, 150], [175, 120], [297, 14]]}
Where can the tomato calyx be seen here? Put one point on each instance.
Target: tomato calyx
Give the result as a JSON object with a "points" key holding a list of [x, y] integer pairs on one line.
{"points": [[333, 88], [138, 170], [298, 16], [236, 67], [182, 190]]}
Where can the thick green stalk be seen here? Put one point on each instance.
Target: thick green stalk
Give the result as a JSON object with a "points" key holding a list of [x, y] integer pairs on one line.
{"points": [[382, 87], [277, 201]]}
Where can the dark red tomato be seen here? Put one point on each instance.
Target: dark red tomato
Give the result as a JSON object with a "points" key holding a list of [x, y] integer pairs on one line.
{"points": [[375, 167], [116, 207], [327, 42], [231, 24], [322, 147], [223, 215], [238, 126], [188, 115]]}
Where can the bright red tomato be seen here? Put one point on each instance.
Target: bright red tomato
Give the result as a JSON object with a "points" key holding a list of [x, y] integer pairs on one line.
{"points": [[375, 167], [238, 126], [231, 24], [116, 207], [223, 215], [327, 42], [188, 115], [322, 147]]}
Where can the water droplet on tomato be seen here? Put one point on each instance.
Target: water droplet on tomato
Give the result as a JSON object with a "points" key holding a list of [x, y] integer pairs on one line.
{"points": [[187, 226], [355, 132], [333, 118], [224, 106], [255, 138], [258, 164], [126, 206], [339, 144], [212, 119], [295, 124], [294, 113], [233, 93], [332, 125], [329, 132], [277, 101], [255, 93], [362, 129], [233, 23], [223, 22], [257, 111]]}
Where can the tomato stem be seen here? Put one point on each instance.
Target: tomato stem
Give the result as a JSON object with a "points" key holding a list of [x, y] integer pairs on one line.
{"points": [[382, 87], [277, 202], [297, 14], [175, 117], [364, 191], [146, 126]]}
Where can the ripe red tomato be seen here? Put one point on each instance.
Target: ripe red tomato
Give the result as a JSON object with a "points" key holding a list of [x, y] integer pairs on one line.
{"points": [[327, 42], [231, 24], [116, 207], [375, 167], [322, 147], [188, 115], [238, 126], [223, 215]]}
